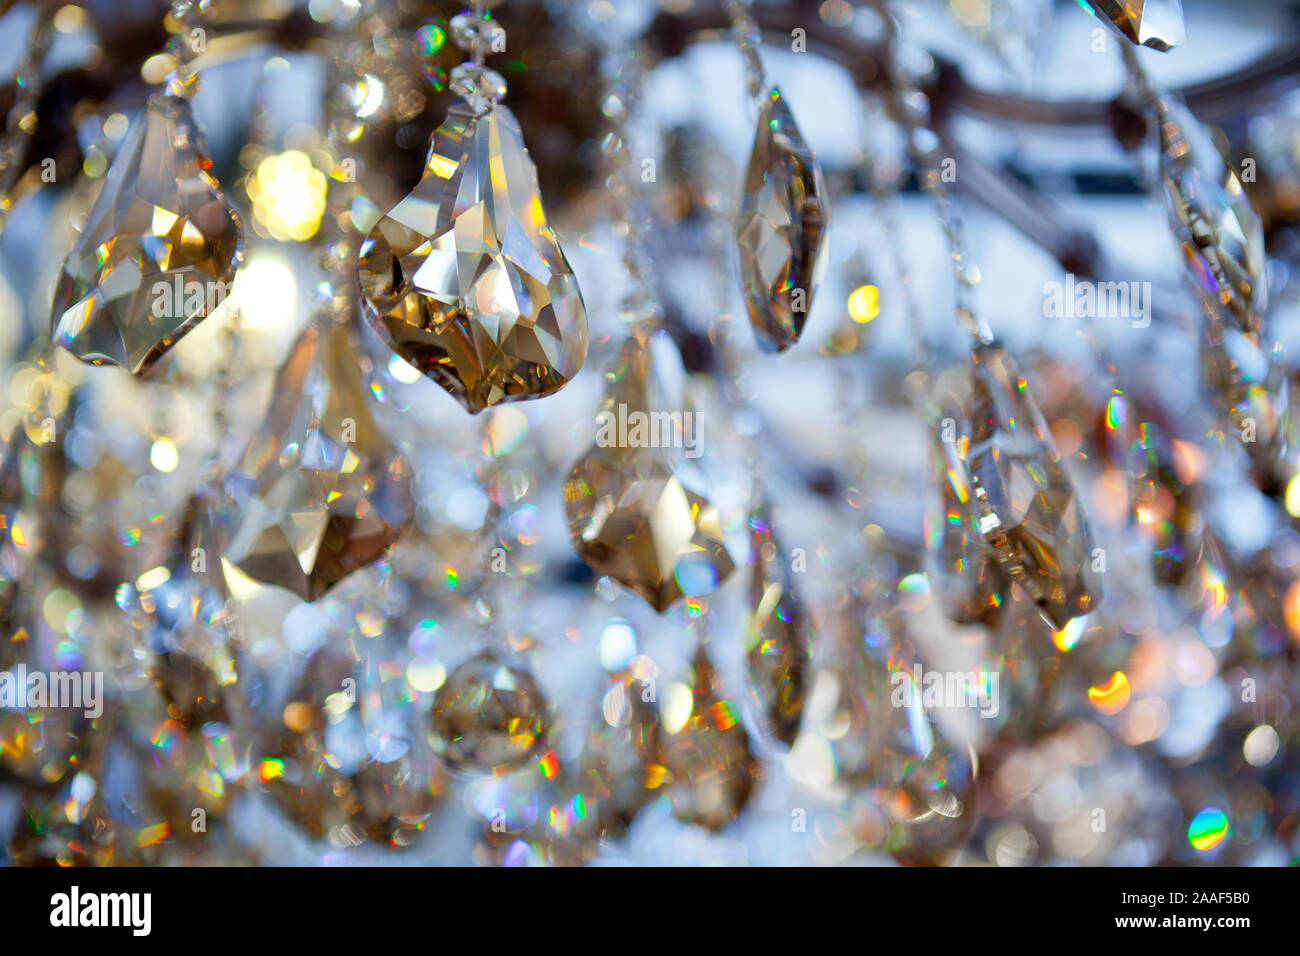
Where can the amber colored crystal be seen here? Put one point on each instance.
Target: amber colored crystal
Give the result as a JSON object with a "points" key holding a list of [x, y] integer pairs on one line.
{"points": [[780, 228], [320, 490], [464, 278], [158, 251]]}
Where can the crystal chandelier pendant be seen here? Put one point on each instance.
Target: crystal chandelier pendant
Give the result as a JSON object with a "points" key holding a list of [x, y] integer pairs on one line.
{"points": [[1157, 24], [465, 279], [700, 757], [1023, 503], [346, 762], [320, 490], [777, 641], [1218, 230], [611, 777], [188, 624], [969, 579], [780, 227], [161, 245], [489, 716], [630, 517], [1248, 387]]}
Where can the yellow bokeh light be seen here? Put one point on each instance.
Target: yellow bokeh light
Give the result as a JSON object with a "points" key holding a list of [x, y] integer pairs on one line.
{"points": [[1112, 696], [266, 293], [864, 303], [288, 195]]}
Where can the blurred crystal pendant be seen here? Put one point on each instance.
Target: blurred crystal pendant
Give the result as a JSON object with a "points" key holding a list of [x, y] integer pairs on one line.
{"points": [[780, 228], [1154, 23], [1250, 388], [611, 778], [537, 817], [868, 726], [1221, 235], [188, 623], [777, 643], [12, 537], [320, 491], [698, 751], [489, 716], [347, 762], [1023, 503], [158, 251], [843, 727], [630, 516], [1165, 509], [971, 584], [464, 278]]}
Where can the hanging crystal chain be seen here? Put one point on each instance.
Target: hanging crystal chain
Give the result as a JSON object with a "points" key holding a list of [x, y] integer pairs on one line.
{"points": [[912, 110]]}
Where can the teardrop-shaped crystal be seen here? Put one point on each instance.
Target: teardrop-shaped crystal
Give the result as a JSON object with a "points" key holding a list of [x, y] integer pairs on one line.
{"points": [[1154, 23], [777, 643], [630, 516], [320, 491], [844, 724], [464, 278], [1210, 215], [870, 718], [970, 582], [611, 778], [1165, 509], [699, 750], [346, 761], [780, 227], [188, 623], [1249, 387], [489, 716], [1024, 504], [536, 817], [159, 249]]}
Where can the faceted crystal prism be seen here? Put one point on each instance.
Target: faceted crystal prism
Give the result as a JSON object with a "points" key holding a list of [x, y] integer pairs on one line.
{"points": [[1249, 387], [1221, 235], [1154, 23], [158, 251], [969, 579], [188, 623], [1022, 500], [780, 228], [320, 491], [489, 716], [776, 637], [704, 761], [630, 516], [464, 277], [350, 766]]}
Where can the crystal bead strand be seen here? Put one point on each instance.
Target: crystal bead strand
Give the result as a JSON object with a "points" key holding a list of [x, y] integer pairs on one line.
{"points": [[1035, 529]]}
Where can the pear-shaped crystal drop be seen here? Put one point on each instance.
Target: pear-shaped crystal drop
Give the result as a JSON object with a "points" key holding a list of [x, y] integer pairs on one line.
{"points": [[1210, 215], [780, 227], [489, 716], [1154, 23], [320, 490], [1023, 502], [630, 516], [843, 727], [611, 778], [188, 623], [1249, 387], [702, 756], [346, 763], [970, 582], [777, 643], [158, 251], [464, 277]]}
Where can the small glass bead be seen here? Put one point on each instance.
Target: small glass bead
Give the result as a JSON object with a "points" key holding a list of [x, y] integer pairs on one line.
{"points": [[480, 86]]}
